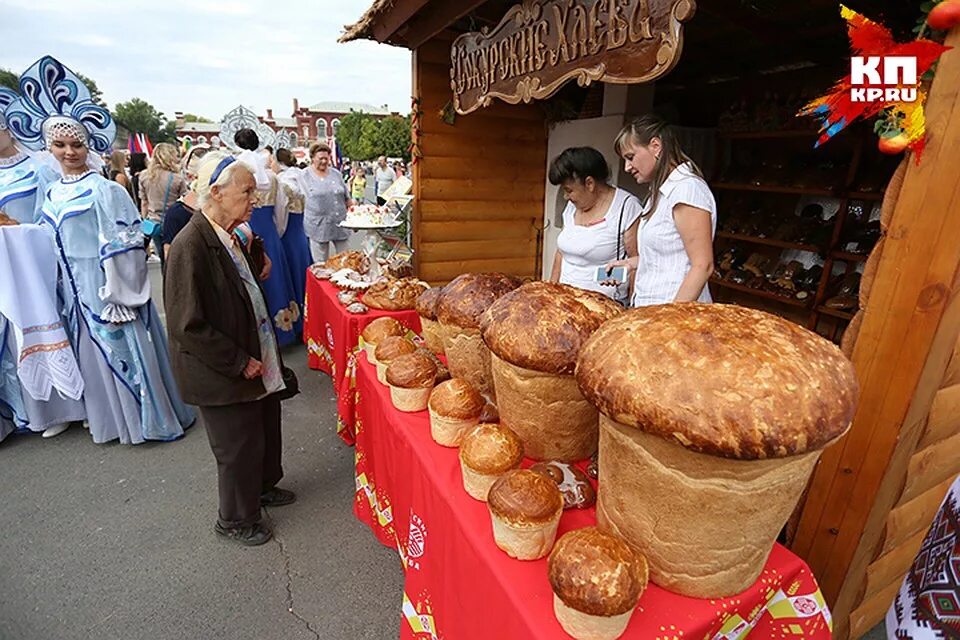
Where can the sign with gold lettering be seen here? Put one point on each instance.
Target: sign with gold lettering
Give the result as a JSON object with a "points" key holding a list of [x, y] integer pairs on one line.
{"points": [[541, 44]]}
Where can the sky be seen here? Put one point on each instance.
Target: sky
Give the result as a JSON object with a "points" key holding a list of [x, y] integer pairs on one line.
{"points": [[208, 56]]}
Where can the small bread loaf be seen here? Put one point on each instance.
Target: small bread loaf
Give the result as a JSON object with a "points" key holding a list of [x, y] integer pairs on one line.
{"points": [[525, 508], [411, 378], [388, 350], [597, 580], [376, 331], [486, 452], [455, 407]]}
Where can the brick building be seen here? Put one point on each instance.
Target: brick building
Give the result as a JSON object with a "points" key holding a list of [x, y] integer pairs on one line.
{"points": [[306, 125]]}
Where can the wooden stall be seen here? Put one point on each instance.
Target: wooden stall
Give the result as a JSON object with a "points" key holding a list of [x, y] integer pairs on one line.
{"points": [[479, 205]]}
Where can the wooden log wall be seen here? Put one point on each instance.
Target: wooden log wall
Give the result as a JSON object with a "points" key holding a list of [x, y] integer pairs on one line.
{"points": [[874, 495], [479, 186]]}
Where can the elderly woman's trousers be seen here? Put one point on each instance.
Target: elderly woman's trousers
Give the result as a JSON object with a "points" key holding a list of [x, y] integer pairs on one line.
{"points": [[245, 439]]}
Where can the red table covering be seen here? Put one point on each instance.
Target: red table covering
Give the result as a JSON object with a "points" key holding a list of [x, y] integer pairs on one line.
{"points": [[331, 335], [460, 586]]}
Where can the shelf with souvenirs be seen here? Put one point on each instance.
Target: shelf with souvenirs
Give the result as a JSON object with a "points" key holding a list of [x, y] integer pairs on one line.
{"points": [[796, 223]]}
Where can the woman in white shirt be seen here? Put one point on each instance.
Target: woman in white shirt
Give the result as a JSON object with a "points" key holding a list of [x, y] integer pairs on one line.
{"points": [[599, 222], [676, 230]]}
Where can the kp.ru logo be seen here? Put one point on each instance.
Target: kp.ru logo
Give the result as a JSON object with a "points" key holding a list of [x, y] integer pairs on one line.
{"points": [[883, 79]]}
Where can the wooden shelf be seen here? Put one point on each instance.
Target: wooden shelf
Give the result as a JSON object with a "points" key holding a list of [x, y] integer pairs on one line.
{"points": [[768, 135], [770, 242], [797, 191], [836, 313], [793, 302], [846, 256], [873, 196]]}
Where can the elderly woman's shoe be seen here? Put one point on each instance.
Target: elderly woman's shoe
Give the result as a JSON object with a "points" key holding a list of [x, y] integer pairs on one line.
{"points": [[277, 497], [251, 535]]}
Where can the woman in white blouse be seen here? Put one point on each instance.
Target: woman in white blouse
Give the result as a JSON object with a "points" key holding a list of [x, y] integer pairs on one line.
{"points": [[599, 222], [676, 229]]}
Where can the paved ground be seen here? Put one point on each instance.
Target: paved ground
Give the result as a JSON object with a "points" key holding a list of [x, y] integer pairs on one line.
{"points": [[112, 542]]}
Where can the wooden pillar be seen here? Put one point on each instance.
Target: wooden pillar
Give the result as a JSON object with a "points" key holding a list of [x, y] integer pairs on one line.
{"points": [[908, 334]]}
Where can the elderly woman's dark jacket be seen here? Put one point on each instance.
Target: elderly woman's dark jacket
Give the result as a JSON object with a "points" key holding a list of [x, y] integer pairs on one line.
{"points": [[210, 319]]}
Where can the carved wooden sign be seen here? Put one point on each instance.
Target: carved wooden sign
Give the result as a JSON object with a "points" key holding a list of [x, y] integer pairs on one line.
{"points": [[541, 44]]}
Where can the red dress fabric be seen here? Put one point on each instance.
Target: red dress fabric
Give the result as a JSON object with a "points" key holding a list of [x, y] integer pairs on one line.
{"points": [[332, 336], [459, 585]]}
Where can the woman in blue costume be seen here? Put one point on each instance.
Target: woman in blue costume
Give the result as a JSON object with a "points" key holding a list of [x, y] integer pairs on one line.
{"points": [[294, 238], [22, 182], [279, 289], [129, 390]]}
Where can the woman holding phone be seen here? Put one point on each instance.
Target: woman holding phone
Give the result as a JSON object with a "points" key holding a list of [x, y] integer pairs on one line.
{"points": [[599, 222], [676, 230]]}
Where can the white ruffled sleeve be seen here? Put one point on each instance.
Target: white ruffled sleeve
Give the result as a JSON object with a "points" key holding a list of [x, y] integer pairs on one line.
{"points": [[122, 255], [694, 192], [281, 213]]}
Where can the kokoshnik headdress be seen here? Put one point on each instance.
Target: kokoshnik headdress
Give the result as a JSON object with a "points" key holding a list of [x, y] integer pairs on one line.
{"points": [[243, 118], [6, 97], [55, 103]]}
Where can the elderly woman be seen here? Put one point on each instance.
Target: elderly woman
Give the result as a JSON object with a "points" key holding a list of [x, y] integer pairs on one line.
{"points": [[224, 350], [599, 221], [326, 202]]}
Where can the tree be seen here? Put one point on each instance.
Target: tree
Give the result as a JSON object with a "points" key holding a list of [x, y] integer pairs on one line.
{"points": [[139, 116], [367, 148], [11, 80], [348, 133], [393, 137], [189, 117]]}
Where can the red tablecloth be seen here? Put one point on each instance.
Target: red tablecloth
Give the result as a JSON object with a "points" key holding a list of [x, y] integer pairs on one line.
{"points": [[459, 585], [331, 335]]}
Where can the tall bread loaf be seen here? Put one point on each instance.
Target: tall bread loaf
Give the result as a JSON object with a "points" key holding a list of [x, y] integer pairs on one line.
{"points": [[535, 334], [459, 307], [426, 307], [713, 419]]}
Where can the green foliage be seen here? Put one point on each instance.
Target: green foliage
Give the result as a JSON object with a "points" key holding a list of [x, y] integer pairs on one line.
{"points": [[362, 137], [142, 117], [189, 117], [93, 88], [9, 79]]}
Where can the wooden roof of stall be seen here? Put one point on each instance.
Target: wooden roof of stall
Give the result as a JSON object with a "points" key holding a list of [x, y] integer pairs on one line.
{"points": [[726, 39]]}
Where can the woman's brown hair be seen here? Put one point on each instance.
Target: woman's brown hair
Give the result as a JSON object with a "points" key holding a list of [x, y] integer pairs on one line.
{"points": [[317, 147], [640, 132]]}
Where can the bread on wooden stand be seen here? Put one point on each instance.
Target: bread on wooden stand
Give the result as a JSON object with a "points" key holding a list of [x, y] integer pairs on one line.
{"points": [[713, 417], [459, 308], [534, 334], [426, 307]]}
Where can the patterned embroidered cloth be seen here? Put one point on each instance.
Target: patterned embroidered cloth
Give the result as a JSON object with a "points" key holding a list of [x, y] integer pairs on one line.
{"points": [[459, 585], [928, 604], [332, 335], [28, 299]]}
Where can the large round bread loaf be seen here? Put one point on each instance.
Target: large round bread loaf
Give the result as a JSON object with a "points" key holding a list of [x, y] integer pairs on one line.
{"points": [[426, 307], [535, 334], [459, 307], [713, 419]]}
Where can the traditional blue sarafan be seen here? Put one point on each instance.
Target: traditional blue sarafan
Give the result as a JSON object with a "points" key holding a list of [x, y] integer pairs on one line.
{"points": [[22, 183], [130, 393], [296, 246]]}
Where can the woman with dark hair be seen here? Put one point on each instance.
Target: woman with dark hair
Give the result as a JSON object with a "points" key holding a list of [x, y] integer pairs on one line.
{"points": [[294, 239], [599, 222], [137, 165], [269, 214], [676, 231], [327, 201]]}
